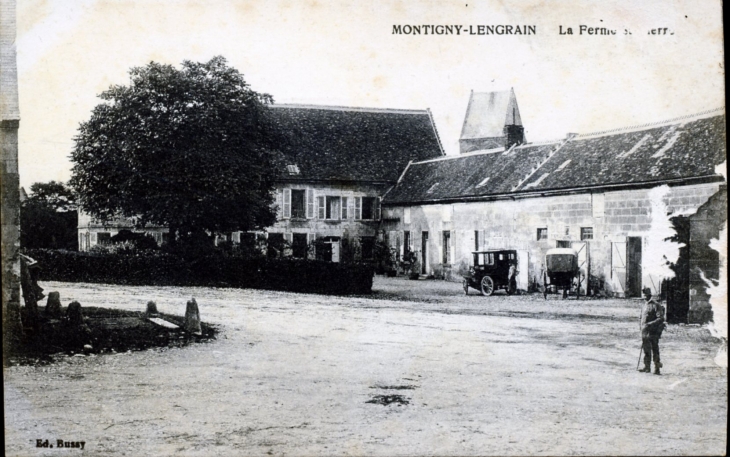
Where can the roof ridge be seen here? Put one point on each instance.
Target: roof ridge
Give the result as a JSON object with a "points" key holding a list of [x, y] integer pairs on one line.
{"points": [[349, 108], [640, 127]]}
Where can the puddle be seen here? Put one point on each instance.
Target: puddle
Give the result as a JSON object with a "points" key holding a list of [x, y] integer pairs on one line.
{"points": [[388, 399]]}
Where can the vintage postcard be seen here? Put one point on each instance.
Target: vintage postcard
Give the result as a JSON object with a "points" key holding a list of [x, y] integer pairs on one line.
{"points": [[330, 227]]}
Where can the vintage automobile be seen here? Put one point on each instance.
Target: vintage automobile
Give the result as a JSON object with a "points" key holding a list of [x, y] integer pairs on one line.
{"points": [[492, 270], [562, 272]]}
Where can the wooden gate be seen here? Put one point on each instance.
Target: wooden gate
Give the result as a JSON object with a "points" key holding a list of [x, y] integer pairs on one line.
{"points": [[618, 268]]}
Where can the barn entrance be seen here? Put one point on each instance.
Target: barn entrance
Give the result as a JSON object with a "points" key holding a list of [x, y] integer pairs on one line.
{"points": [[633, 267], [626, 267], [676, 290]]}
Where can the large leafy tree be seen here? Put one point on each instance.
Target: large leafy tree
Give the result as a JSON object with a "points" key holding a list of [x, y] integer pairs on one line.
{"points": [[48, 217], [185, 148]]}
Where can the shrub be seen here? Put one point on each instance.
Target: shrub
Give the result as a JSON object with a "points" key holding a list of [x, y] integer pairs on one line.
{"points": [[160, 268]]}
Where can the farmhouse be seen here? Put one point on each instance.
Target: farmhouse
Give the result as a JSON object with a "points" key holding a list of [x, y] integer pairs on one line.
{"points": [[609, 195], [336, 163]]}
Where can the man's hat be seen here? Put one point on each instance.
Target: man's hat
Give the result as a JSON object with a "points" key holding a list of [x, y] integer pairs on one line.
{"points": [[646, 290]]}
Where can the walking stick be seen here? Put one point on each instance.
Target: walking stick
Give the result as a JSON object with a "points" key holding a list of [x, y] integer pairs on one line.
{"points": [[641, 349]]}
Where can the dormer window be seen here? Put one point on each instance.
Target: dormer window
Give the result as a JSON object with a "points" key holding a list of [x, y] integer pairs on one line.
{"points": [[292, 169]]}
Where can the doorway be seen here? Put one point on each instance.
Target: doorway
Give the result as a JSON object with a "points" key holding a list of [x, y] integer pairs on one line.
{"points": [[633, 273], [424, 252]]}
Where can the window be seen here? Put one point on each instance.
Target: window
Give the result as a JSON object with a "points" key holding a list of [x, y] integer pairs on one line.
{"points": [[447, 247], [485, 258], [292, 169], [103, 238], [586, 233], [275, 245], [367, 208], [367, 245], [299, 245], [406, 241], [297, 203], [333, 208], [542, 233]]}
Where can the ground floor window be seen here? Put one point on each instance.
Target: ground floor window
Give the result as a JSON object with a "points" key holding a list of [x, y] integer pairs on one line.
{"points": [[586, 233], [542, 233], [275, 245], [406, 241], [299, 245], [103, 238]]}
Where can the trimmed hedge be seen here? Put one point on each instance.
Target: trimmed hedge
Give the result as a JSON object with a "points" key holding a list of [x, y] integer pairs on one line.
{"points": [[163, 269]]}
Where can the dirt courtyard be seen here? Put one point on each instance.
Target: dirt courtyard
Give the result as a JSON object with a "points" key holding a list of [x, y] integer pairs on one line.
{"points": [[416, 369]]}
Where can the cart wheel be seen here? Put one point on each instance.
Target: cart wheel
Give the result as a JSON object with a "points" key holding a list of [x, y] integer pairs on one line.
{"points": [[487, 286], [466, 286]]}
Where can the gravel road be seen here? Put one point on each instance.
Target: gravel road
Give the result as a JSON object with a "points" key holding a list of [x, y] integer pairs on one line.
{"points": [[416, 369]]}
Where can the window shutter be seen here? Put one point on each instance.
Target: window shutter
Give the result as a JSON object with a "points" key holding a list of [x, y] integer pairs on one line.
{"points": [[320, 207], [287, 203], [343, 205], [453, 244], [482, 240], [377, 209], [358, 208], [401, 245], [310, 203]]}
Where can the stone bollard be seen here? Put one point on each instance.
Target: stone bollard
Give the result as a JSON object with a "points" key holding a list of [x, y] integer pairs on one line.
{"points": [[74, 315], [151, 309], [192, 318], [53, 305]]}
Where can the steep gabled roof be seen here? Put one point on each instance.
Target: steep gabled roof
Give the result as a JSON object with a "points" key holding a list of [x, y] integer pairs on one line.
{"points": [[352, 144], [488, 113], [678, 150]]}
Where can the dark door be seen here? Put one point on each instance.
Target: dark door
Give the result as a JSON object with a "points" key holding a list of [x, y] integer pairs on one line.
{"points": [[633, 273], [424, 252]]}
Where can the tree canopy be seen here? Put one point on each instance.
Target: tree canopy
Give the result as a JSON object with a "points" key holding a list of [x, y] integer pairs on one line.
{"points": [[185, 148], [48, 217]]}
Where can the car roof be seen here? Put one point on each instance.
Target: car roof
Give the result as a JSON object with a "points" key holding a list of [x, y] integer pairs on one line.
{"points": [[493, 250]]}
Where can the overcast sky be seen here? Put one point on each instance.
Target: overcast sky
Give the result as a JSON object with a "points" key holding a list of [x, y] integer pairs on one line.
{"points": [[344, 53]]}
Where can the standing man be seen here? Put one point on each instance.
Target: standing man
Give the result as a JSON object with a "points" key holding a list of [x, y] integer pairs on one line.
{"points": [[652, 325]]}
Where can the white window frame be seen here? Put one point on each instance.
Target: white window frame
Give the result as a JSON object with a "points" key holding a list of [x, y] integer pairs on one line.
{"points": [[358, 208]]}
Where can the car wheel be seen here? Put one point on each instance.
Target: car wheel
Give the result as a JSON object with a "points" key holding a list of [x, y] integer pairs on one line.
{"points": [[466, 286], [487, 286]]}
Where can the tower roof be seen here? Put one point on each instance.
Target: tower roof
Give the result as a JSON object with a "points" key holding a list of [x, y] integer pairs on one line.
{"points": [[488, 113]]}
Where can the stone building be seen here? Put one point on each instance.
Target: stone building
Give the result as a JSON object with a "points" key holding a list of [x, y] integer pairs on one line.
{"points": [[10, 180], [335, 163], [609, 195]]}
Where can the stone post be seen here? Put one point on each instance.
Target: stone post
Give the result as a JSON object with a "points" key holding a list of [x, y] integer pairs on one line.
{"points": [[192, 318]]}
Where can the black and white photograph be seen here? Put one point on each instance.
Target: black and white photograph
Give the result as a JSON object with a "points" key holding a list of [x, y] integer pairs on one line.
{"points": [[386, 228]]}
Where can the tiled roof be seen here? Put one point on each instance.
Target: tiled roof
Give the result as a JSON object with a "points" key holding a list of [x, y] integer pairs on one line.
{"points": [[352, 144], [488, 113], [688, 148]]}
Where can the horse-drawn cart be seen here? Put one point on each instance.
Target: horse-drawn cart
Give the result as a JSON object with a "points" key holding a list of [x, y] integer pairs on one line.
{"points": [[562, 272]]}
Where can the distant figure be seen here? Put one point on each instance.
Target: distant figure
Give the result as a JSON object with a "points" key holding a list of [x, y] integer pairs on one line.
{"points": [[652, 325], [512, 277]]}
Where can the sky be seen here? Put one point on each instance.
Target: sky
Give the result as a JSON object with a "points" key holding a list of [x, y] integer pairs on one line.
{"points": [[345, 53]]}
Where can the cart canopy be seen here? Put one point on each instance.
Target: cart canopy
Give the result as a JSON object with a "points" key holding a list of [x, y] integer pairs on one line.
{"points": [[561, 260]]}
